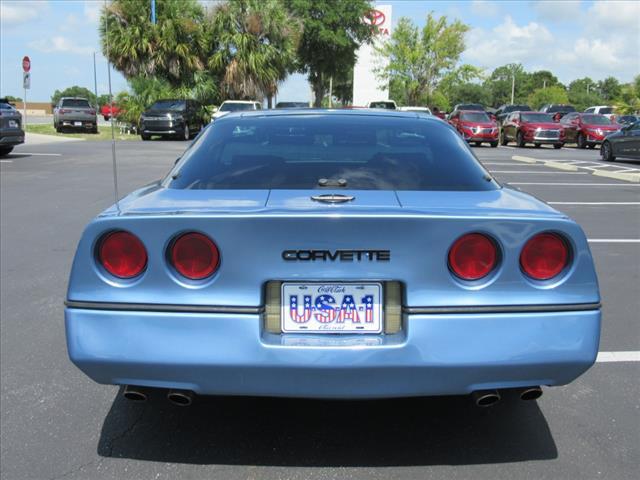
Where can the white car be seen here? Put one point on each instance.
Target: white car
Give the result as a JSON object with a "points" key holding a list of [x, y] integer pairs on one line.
{"points": [[385, 104], [605, 110], [235, 106], [424, 110]]}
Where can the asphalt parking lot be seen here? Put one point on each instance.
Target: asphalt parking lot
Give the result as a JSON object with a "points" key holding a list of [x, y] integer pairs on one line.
{"points": [[56, 423]]}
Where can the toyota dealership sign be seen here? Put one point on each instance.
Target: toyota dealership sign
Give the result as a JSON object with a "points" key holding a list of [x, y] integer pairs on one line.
{"points": [[366, 87]]}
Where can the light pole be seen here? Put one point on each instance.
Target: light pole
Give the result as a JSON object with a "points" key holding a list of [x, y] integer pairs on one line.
{"points": [[513, 87], [95, 79]]}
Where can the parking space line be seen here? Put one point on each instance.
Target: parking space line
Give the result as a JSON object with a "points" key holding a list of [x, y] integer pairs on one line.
{"points": [[605, 357], [37, 154], [6, 161], [593, 203], [613, 240], [513, 164], [538, 173], [575, 184]]}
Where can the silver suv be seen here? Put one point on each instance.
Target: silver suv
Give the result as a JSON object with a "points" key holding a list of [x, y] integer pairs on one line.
{"points": [[74, 112]]}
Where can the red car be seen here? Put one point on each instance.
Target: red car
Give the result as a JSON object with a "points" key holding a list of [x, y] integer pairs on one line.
{"points": [[587, 129], [107, 111], [532, 127], [475, 126]]}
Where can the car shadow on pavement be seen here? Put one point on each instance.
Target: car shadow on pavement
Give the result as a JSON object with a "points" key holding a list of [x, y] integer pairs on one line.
{"points": [[314, 433]]}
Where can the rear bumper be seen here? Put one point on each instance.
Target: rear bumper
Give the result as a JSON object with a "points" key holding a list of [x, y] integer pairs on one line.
{"points": [[10, 137], [84, 120], [230, 354]]}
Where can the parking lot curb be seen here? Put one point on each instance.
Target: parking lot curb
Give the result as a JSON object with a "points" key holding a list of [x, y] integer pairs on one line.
{"points": [[561, 166], [518, 158], [627, 177]]}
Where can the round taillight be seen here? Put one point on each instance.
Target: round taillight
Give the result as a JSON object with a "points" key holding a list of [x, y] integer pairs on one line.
{"points": [[122, 254], [195, 256], [544, 256], [473, 256]]}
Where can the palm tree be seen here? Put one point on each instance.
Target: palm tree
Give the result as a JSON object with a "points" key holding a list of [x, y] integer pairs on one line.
{"points": [[173, 49], [257, 42]]}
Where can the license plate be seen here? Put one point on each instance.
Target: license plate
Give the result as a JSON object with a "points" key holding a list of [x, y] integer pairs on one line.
{"points": [[331, 308], [77, 124], [13, 124]]}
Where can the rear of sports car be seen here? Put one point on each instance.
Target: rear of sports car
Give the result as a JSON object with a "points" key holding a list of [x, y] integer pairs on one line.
{"points": [[332, 255]]}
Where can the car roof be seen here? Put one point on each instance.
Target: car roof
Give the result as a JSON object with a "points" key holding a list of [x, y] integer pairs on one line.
{"points": [[240, 101], [330, 112]]}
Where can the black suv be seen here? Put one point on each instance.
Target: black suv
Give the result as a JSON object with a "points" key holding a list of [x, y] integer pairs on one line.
{"points": [[558, 110], [172, 118], [505, 110], [11, 133]]}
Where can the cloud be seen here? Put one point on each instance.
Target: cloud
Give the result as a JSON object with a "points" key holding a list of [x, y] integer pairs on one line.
{"points": [[60, 44], [618, 15], [567, 11], [485, 8], [507, 42], [92, 10], [19, 12]]}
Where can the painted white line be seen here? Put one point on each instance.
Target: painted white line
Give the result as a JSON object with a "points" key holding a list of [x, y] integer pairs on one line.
{"points": [[538, 173], [6, 161], [512, 164], [576, 184], [613, 240], [593, 203], [604, 357], [37, 154]]}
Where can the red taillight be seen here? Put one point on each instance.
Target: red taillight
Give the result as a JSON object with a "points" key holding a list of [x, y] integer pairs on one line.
{"points": [[544, 256], [195, 256], [122, 254], [62, 110], [473, 256], [92, 112]]}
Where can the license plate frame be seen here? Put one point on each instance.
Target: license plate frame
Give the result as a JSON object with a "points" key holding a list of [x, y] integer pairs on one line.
{"points": [[13, 124], [77, 124], [362, 316]]}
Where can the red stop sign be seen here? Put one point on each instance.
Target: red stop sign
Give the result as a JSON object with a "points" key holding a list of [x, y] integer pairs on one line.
{"points": [[26, 64]]}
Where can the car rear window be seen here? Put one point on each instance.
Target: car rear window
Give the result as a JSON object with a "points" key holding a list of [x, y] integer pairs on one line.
{"points": [[606, 110], [560, 108], [76, 102], [387, 105], [360, 152], [236, 107], [537, 117], [596, 120], [169, 105], [475, 117]]}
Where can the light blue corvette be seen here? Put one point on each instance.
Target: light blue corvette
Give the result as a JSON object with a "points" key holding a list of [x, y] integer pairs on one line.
{"points": [[332, 254]]}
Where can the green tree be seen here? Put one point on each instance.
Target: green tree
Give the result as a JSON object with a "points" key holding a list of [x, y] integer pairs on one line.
{"points": [[74, 91], [541, 79], [12, 99], [500, 81], [173, 49], [469, 93], [332, 31], [542, 96], [257, 46], [628, 101], [419, 59], [142, 93], [583, 93], [609, 88]]}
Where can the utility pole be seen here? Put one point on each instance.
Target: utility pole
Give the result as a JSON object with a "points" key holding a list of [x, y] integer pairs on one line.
{"points": [[95, 79], [544, 84], [153, 11], [331, 91], [513, 87]]}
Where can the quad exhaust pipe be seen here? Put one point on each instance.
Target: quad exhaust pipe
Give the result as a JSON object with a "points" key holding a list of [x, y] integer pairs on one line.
{"points": [[181, 398], [135, 394], [485, 398], [530, 393]]}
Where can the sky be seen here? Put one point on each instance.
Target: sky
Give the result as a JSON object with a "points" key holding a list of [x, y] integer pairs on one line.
{"points": [[573, 39]]}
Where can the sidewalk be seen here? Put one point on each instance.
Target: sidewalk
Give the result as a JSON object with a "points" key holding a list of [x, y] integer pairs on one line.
{"points": [[39, 139]]}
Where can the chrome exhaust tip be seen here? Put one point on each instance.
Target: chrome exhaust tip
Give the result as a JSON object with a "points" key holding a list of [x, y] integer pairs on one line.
{"points": [[181, 398], [135, 394], [530, 393], [485, 398]]}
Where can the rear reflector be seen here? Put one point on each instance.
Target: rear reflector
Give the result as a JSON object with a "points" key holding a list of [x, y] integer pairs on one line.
{"points": [[195, 256], [544, 256], [473, 256], [122, 254]]}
